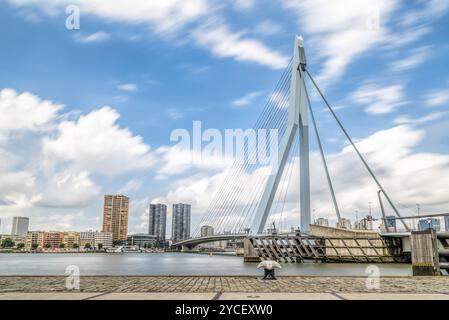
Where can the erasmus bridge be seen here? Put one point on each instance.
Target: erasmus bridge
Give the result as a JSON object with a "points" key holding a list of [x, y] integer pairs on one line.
{"points": [[250, 193]]}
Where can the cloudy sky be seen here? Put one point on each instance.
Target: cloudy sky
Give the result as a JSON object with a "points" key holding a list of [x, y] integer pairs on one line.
{"points": [[90, 111]]}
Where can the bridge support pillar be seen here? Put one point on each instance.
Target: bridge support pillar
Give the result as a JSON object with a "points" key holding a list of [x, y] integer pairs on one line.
{"points": [[425, 258], [297, 118], [185, 248], [249, 253]]}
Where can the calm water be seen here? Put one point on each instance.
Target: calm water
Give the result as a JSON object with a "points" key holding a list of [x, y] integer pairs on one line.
{"points": [[170, 263]]}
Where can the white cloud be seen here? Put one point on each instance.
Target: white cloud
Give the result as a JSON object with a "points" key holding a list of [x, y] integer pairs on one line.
{"points": [[131, 186], [246, 99], [25, 111], [129, 87], [99, 36], [175, 160], [54, 220], [417, 56], [163, 16], [379, 100], [243, 5], [224, 43], [173, 17], [15, 186], [68, 190], [340, 31], [96, 143], [416, 121], [402, 38], [268, 28], [437, 98], [57, 170], [174, 114], [431, 9]]}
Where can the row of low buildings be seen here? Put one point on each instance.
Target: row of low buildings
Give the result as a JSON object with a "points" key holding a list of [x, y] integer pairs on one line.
{"points": [[39, 240], [51, 240], [389, 225]]}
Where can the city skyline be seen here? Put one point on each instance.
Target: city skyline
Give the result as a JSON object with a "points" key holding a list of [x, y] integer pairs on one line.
{"points": [[113, 207]]}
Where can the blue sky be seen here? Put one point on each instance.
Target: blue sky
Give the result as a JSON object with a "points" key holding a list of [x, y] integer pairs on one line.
{"points": [[158, 67]]}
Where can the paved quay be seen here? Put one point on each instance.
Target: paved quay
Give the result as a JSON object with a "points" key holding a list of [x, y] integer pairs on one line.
{"points": [[222, 287]]}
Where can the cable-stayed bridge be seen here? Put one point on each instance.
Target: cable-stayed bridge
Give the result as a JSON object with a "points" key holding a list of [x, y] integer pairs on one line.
{"points": [[252, 191]]}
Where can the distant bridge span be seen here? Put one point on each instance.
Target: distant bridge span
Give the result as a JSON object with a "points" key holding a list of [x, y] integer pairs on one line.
{"points": [[218, 237]]}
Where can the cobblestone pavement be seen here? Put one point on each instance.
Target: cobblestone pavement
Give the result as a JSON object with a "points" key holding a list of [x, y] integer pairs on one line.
{"points": [[224, 284]]}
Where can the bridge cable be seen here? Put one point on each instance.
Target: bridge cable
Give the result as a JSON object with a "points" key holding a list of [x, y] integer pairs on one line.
{"points": [[323, 158], [296, 154], [356, 149], [268, 113], [244, 167], [240, 175], [216, 206], [289, 173]]}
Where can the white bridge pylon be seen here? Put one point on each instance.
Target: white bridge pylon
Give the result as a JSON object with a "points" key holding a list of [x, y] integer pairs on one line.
{"points": [[297, 119]]}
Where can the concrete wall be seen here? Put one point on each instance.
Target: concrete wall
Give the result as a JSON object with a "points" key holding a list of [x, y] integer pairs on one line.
{"points": [[323, 231], [357, 238]]}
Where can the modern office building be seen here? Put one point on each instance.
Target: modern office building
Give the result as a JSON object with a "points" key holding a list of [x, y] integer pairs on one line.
{"points": [[446, 223], [142, 240], [207, 231], [20, 226], [115, 217], [389, 224], [181, 222], [322, 222], [157, 221], [429, 223]]}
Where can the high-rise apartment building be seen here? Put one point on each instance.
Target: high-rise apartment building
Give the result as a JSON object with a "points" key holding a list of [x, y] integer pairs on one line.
{"points": [[20, 226], [157, 221], [181, 222], [115, 216], [207, 231]]}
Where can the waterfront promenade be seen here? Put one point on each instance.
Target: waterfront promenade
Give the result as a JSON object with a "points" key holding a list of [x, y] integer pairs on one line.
{"points": [[222, 287]]}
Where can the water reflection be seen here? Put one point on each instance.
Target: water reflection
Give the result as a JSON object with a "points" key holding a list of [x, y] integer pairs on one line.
{"points": [[171, 264]]}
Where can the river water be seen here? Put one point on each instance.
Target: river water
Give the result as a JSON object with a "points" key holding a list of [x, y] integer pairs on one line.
{"points": [[171, 264]]}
